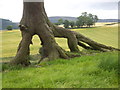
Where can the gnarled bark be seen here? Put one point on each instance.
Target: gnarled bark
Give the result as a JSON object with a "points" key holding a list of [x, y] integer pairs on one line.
{"points": [[77, 39], [36, 22], [33, 22]]}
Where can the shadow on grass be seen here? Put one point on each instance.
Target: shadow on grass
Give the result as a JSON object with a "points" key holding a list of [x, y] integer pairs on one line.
{"points": [[31, 57], [4, 63]]}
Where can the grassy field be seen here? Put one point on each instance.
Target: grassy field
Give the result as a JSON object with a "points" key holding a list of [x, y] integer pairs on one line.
{"points": [[94, 71], [105, 35]]}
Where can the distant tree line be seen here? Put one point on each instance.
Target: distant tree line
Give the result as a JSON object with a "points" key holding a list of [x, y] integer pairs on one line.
{"points": [[8, 25], [85, 20]]}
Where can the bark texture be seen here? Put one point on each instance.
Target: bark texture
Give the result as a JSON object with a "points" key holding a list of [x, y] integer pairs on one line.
{"points": [[36, 22]]}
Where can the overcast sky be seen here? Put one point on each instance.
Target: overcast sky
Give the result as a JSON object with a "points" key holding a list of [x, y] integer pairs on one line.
{"points": [[104, 9]]}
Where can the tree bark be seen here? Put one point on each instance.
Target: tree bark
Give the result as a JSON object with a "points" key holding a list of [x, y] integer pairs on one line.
{"points": [[23, 51], [36, 22]]}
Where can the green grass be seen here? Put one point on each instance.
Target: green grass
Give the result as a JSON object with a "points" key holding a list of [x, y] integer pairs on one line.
{"points": [[94, 71], [84, 72], [105, 35]]}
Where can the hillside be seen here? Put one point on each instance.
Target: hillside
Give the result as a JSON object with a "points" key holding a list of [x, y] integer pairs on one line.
{"points": [[5, 22], [56, 18]]}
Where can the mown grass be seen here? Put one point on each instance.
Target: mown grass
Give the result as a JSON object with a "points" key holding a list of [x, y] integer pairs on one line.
{"points": [[84, 72], [98, 70], [105, 35]]}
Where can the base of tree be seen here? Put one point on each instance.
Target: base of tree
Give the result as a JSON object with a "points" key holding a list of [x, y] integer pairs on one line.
{"points": [[36, 22]]}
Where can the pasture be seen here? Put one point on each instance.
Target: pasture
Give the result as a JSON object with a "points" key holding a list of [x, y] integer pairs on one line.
{"points": [[98, 70]]}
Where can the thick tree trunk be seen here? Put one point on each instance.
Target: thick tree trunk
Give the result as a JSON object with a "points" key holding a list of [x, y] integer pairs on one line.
{"points": [[23, 50], [35, 21]]}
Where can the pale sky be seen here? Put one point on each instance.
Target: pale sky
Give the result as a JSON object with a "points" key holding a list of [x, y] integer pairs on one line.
{"points": [[104, 9]]}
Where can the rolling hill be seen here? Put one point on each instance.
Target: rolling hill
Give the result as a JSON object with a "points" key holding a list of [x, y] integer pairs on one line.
{"points": [[56, 18], [5, 22]]}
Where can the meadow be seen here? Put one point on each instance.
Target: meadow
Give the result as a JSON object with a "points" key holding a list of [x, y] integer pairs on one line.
{"points": [[98, 70]]}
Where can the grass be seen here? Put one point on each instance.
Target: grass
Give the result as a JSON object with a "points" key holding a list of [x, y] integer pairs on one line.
{"points": [[95, 71], [84, 72], [105, 35]]}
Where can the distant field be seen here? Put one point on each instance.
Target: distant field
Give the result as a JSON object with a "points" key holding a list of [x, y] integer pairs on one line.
{"points": [[98, 70], [105, 35], [107, 24]]}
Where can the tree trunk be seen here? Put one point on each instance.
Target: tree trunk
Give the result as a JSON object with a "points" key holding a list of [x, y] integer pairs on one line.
{"points": [[36, 22]]}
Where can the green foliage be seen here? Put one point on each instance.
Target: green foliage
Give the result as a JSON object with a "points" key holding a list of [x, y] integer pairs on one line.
{"points": [[72, 24], [80, 22], [86, 20], [56, 23], [89, 22], [60, 21], [10, 27], [66, 24], [95, 18]]}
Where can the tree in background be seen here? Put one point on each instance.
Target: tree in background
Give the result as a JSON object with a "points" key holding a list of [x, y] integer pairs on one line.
{"points": [[10, 27], [86, 20], [56, 24], [80, 22], [36, 22], [66, 24], [60, 21], [95, 18], [72, 24], [89, 20]]}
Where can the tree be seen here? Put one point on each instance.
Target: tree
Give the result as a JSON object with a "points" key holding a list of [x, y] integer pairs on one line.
{"points": [[56, 24], [86, 19], [35, 22], [72, 24], [60, 21], [66, 24], [10, 27], [80, 21], [95, 18], [84, 14], [89, 22]]}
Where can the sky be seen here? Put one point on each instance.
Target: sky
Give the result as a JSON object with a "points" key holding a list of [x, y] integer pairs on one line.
{"points": [[104, 9]]}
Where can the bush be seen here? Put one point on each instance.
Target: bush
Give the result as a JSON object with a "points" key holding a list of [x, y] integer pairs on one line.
{"points": [[10, 27]]}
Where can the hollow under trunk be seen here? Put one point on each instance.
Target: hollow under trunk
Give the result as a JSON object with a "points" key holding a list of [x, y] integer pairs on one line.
{"points": [[35, 22]]}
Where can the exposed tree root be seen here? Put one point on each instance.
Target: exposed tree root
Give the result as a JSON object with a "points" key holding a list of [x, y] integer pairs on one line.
{"points": [[23, 51], [82, 39], [78, 39], [36, 22]]}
